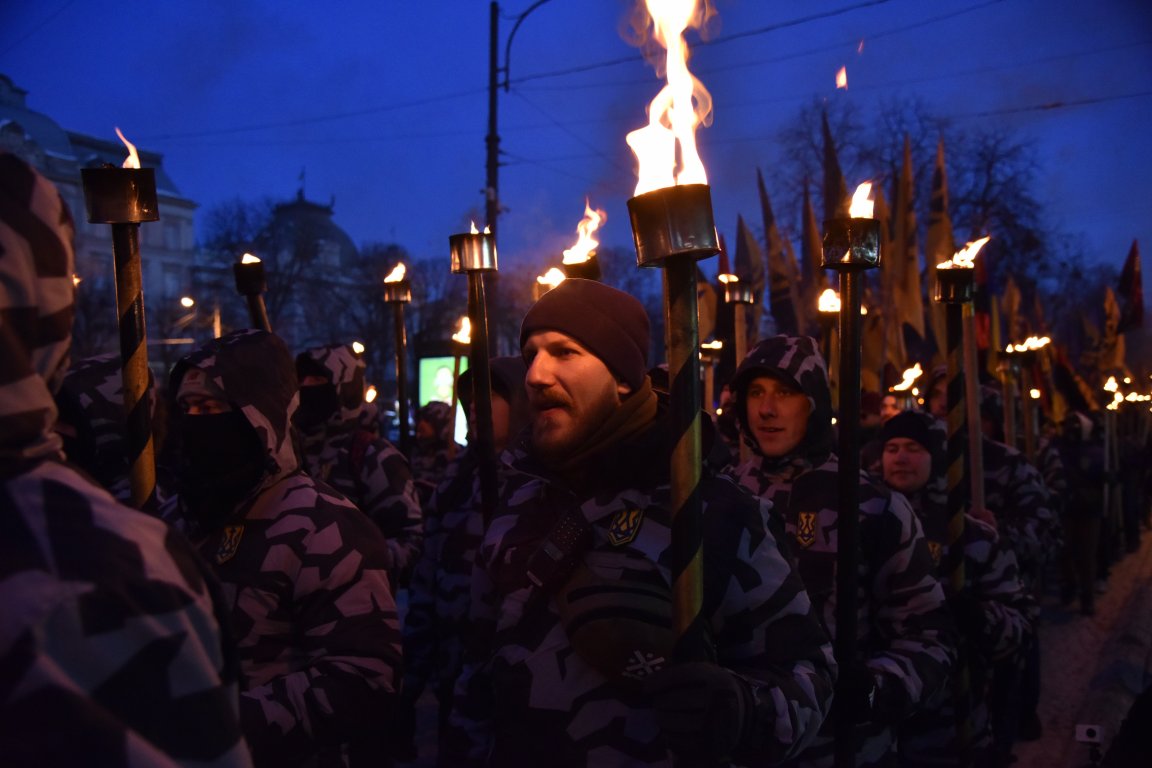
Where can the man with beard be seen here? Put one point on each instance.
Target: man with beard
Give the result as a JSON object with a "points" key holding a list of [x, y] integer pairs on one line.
{"points": [[305, 573], [339, 451], [572, 662], [111, 644], [905, 637]]}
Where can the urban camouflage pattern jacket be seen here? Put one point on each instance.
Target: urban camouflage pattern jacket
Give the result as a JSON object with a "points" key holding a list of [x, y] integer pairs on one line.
{"points": [[364, 466], [306, 580], [905, 635], [1015, 491], [536, 688], [111, 648]]}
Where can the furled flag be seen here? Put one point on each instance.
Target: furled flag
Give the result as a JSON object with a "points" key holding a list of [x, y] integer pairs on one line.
{"points": [[904, 243], [748, 265], [812, 256], [1131, 292], [1112, 347], [836, 200], [783, 274], [940, 245]]}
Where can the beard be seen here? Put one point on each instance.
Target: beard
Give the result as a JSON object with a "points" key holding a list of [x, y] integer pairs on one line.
{"points": [[561, 427]]}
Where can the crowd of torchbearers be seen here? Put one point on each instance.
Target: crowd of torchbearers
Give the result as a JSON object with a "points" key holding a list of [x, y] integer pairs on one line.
{"points": [[239, 563]]}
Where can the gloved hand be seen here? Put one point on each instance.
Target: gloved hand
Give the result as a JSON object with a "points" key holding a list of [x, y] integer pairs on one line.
{"points": [[704, 710], [968, 611], [856, 691]]}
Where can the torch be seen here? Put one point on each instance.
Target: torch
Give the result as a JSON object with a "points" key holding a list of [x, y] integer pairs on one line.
{"points": [[251, 284], [710, 355], [741, 297], [905, 392], [474, 254], [828, 312], [851, 246], [124, 197], [1008, 369], [1110, 411], [547, 282], [398, 292], [580, 260], [672, 228], [1026, 354], [460, 343]]}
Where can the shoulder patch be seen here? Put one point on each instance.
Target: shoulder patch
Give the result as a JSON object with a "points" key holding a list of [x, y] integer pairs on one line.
{"points": [[229, 543], [806, 529], [625, 525]]}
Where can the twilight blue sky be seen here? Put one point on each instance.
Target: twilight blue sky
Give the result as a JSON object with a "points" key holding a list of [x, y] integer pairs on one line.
{"points": [[384, 103]]}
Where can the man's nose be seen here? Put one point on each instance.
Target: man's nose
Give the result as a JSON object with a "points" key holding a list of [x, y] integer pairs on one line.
{"points": [[539, 372]]}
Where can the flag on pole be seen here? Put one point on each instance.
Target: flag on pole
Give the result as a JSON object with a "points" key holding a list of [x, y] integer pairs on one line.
{"points": [[811, 253], [749, 267], [1131, 292], [1112, 341], [894, 352], [905, 244], [940, 245], [783, 274], [836, 200]]}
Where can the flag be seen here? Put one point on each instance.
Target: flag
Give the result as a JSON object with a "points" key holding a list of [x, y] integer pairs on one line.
{"points": [[940, 246], [783, 277], [1131, 292], [894, 352], [1112, 341], [1010, 303], [906, 281], [814, 281], [749, 267], [836, 200]]}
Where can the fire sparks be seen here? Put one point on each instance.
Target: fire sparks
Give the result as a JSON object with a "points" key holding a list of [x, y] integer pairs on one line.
{"points": [[965, 258], [910, 375], [842, 78], [249, 259], [463, 333], [829, 301], [681, 105], [133, 159], [585, 243], [397, 273], [861, 207]]}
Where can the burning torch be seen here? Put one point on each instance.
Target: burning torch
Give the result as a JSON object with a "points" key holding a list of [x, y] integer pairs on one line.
{"points": [[710, 352], [461, 340], [851, 246], [580, 260], [251, 284], [398, 292], [547, 282], [124, 197], [740, 296], [1026, 356], [474, 254], [673, 227], [905, 392]]}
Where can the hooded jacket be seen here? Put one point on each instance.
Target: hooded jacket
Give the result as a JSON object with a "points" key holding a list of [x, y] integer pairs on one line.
{"points": [[306, 578], [534, 691], [905, 637], [365, 467], [111, 645]]}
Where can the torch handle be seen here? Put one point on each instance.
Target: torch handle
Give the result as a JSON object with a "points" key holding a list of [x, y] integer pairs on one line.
{"points": [[1008, 383], [134, 364], [1028, 409], [258, 312], [484, 440], [972, 403], [455, 402], [401, 345], [848, 517], [682, 339]]}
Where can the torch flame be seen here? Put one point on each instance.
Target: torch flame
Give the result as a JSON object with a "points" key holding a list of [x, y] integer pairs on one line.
{"points": [[1111, 385], [910, 375], [1034, 393], [249, 259], [357, 347], [551, 278], [133, 159], [829, 301], [585, 243], [718, 344], [370, 393], [861, 207], [678, 108], [397, 273], [726, 277], [842, 79], [965, 258], [463, 333], [474, 231]]}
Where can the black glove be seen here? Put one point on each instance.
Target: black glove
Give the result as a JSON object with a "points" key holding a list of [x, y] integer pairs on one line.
{"points": [[856, 693], [968, 611], [704, 710]]}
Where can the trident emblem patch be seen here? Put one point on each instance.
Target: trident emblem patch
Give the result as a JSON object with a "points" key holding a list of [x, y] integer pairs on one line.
{"points": [[806, 529], [936, 550], [625, 525], [229, 543]]}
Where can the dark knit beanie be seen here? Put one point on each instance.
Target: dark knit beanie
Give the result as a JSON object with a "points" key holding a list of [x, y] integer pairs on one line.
{"points": [[922, 427], [611, 324]]}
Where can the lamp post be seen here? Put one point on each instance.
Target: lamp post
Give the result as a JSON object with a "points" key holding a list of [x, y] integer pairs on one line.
{"points": [[125, 197], [850, 247]]}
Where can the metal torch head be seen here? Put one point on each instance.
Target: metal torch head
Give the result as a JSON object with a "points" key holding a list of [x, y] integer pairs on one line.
{"points": [[589, 269], [472, 252], [398, 291], [250, 278], [673, 221], [120, 195], [851, 244], [956, 285]]}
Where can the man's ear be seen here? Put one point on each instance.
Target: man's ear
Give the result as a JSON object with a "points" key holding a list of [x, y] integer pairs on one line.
{"points": [[623, 388]]}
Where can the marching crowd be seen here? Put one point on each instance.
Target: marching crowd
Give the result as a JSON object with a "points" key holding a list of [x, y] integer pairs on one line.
{"points": [[250, 616]]}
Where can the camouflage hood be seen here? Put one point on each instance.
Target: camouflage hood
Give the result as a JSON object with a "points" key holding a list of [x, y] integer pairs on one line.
{"points": [[256, 371], [36, 303], [796, 360], [340, 364]]}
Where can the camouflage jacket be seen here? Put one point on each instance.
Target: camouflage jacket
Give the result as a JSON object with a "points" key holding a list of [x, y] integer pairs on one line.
{"points": [[111, 649], [306, 581], [528, 696], [1016, 493], [366, 468]]}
